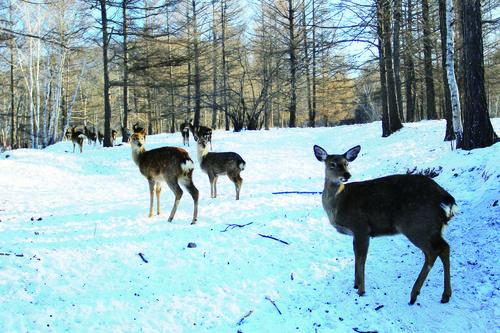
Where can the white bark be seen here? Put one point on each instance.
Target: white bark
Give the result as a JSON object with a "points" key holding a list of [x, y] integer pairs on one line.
{"points": [[450, 68]]}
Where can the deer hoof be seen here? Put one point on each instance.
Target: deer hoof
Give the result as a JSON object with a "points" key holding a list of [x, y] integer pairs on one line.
{"points": [[194, 222], [445, 298], [170, 219], [150, 215], [361, 292]]}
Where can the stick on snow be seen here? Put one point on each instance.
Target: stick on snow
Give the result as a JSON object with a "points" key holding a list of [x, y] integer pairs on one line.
{"points": [[232, 226], [270, 300], [276, 239], [244, 317], [142, 257]]}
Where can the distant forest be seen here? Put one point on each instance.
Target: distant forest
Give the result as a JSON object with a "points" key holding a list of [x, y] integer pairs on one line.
{"points": [[246, 65]]}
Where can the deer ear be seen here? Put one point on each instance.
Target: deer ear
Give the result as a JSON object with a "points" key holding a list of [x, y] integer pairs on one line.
{"points": [[320, 153], [352, 153]]}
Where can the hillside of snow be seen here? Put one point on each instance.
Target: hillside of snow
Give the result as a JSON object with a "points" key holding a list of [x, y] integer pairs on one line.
{"points": [[72, 227]]}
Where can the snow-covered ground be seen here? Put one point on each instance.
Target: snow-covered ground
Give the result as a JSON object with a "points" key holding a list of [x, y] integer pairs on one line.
{"points": [[72, 227]]}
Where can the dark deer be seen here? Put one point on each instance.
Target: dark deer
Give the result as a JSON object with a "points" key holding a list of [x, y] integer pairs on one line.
{"points": [[201, 132], [185, 126], [216, 164], [168, 164], [78, 138], [413, 205]]}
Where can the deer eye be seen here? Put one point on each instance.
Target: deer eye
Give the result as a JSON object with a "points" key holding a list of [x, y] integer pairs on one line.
{"points": [[333, 165]]}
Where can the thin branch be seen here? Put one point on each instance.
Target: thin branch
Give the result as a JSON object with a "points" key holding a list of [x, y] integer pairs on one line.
{"points": [[276, 239]]}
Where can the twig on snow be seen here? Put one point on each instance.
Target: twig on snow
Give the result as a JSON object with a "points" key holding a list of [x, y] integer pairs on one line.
{"points": [[273, 303], [142, 257], [232, 226], [355, 329], [244, 317], [276, 239]]}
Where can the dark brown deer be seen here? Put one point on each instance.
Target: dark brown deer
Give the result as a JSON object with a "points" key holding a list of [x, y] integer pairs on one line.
{"points": [[185, 126], [78, 138], [201, 132], [167, 164], [216, 164], [413, 205]]}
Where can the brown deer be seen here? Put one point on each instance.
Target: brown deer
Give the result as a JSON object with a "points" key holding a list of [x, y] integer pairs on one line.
{"points": [[78, 138], [216, 164], [413, 205], [201, 132], [167, 164], [185, 126]]}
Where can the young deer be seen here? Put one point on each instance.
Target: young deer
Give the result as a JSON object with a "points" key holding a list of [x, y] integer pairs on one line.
{"points": [[216, 164], [78, 138], [413, 205], [185, 132], [169, 164]]}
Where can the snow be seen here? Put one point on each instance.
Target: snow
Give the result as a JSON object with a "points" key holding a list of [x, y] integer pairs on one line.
{"points": [[80, 221]]}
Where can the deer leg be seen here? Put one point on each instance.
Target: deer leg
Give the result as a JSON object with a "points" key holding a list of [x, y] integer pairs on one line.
{"points": [[211, 179], [74, 147], [430, 258], [360, 245], [151, 196], [237, 180], [158, 192], [174, 186], [215, 186], [444, 255], [193, 191]]}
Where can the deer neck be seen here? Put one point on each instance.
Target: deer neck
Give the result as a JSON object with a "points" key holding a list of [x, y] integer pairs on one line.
{"points": [[137, 153], [202, 152], [331, 193]]}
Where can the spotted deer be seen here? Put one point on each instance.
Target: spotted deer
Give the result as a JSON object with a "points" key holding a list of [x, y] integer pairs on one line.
{"points": [[216, 164], [412, 205], [167, 164], [78, 138]]}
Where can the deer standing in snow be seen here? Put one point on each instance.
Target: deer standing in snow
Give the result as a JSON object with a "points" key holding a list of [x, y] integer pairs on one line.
{"points": [[167, 164], [413, 205], [216, 164], [185, 126], [78, 138]]}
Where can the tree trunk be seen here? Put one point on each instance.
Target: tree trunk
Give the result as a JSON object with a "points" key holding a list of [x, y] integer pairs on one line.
{"points": [[307, 65], [125, 70], [292, 49], [429, 79], [396, 56], [394, 121], [314, 64], [410, 81], [446, 86], [214, 70], [225, 73], [108, 142], [383, 81], [478, 131], [13, 116], [452, 82], [197, 76]]}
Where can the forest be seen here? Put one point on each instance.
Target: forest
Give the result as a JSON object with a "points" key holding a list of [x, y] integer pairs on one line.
{"points": [[246, 65]]}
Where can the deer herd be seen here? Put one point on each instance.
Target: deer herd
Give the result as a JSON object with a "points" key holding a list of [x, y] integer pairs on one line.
{"points": [[412, 205]]}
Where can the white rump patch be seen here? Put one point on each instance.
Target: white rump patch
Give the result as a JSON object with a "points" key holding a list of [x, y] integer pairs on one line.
{"points": [[450, 211], [242, 166], [82, 136], [187, 166]]}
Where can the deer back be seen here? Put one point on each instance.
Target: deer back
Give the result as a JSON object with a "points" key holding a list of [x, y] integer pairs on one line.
{"points": [[222, 163]]}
